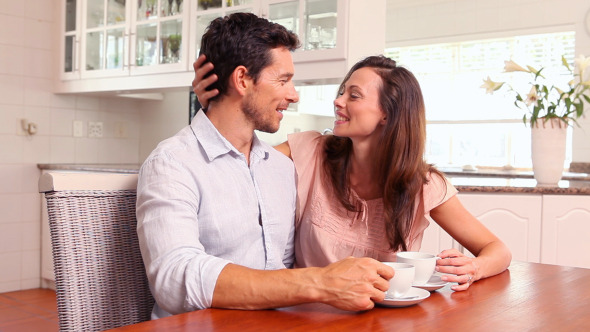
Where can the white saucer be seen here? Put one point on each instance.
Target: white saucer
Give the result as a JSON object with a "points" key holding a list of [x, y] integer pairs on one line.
{"points": [[433, 283], [396, 303]]}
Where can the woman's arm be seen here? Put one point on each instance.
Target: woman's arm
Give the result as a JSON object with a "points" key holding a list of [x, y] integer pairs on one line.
{"points": [[492, 255], [284, 148]]}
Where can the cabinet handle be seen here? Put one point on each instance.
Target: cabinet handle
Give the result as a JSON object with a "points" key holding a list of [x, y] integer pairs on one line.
{"points": [[129, 46], [75, 54], [125, 50]]}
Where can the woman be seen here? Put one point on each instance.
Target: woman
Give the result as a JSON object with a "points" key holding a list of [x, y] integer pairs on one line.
{"points": [[366, 190]]}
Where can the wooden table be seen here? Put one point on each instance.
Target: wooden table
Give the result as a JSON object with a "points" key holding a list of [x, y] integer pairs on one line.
{"points": [[526, 297]]}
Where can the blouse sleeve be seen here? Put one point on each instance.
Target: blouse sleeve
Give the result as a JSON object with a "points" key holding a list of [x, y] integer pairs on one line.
{"points": [[304, 147], [437, 191]]}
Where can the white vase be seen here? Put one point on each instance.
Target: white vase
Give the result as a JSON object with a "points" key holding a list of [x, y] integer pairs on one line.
{"points": [[548, 150]]}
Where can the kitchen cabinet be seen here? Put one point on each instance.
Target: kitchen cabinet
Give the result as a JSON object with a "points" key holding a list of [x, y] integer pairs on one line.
{"points": [[566, 230], [514, 218], [436, 239], [106, 40], [70, 40], [202, 12], [123, 47], [551, 229], [123, 38], [320, 24], [335, 34]]}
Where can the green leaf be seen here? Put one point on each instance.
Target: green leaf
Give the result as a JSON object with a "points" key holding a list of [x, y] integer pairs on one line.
{"points": [[564, 61], [579, 109]]}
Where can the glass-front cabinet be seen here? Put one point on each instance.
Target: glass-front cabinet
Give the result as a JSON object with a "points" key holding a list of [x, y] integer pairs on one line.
{"points": [[318, 23], [111, 38], [70, 35], [205, 11], [124, 38], [157, 36], [314, 21], [105, 33]]}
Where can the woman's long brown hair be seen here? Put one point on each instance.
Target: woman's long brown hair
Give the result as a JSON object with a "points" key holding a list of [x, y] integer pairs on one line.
{"points": [[399, 161]]}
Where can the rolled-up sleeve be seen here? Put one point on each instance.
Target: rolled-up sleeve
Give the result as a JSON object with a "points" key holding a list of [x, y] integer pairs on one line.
{"points": [[182, 275]]}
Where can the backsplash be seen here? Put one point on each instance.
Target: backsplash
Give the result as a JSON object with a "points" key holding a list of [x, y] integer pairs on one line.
{"points": [[26, 83], [576, 167]]}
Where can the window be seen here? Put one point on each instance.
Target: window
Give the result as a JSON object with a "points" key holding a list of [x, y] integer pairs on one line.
{"points": [[465, 125]]}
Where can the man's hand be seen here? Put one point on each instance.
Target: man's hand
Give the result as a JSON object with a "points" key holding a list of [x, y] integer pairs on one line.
{"points": [[200, 85], [354, 283]]}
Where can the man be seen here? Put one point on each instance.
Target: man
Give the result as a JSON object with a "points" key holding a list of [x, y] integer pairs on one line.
{"points": [[216, 205]]}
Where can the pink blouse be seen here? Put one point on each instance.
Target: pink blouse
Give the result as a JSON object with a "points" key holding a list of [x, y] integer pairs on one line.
{"points": [[326, 232]]}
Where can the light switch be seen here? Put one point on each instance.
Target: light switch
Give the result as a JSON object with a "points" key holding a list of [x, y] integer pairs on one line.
{"points": [[78, 128]]}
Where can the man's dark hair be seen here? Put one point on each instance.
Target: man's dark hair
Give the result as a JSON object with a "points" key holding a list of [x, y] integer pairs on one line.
{"points": [[243, 39]]}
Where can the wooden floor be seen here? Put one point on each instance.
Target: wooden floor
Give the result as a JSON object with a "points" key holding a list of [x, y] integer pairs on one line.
{"points": [[28, 310]]}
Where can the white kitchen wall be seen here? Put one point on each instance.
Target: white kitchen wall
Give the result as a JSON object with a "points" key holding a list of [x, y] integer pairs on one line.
{"points": [[27, 49], [162, 119], [438, 21]]}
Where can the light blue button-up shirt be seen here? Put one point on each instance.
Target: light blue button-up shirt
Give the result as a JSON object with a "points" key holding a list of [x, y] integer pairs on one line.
{"points": [[200, 206]]}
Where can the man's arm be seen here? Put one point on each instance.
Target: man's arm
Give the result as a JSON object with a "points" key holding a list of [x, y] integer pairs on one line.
{"points": [[350, 284]]}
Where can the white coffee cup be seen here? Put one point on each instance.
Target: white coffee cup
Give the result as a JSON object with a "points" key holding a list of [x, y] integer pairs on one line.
{"points": [[402, 280], [423, 262]]}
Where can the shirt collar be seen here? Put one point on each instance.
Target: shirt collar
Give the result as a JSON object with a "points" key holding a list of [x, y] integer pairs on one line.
{"points": [[216, 145]]}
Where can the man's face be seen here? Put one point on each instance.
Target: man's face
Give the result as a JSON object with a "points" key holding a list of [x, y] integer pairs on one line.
{"points": [[271, 95]]}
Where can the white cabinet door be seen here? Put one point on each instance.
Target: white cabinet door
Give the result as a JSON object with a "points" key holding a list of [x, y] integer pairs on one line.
{"points": [[435, 239], [566, 230], [515, 219]]}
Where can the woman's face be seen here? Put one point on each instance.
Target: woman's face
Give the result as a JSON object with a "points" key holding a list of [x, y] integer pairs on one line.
{"points": [[357, 109]]}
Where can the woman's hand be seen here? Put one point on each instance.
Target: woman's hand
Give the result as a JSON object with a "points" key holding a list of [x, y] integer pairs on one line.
{"points": [[200, 85], [464, 268]]}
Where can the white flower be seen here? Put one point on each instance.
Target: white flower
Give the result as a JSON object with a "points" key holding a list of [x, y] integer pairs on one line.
{"points": [[510, 66], [546, 100], [490, 85], [532, 97], [582, 62]]}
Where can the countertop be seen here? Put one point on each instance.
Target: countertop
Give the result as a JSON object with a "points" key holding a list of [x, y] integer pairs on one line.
{"points": [[479, 181], [514, 181], [109, 168]]}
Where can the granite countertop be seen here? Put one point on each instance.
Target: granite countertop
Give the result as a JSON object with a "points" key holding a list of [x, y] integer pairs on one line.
{"points": [[515, 181], [479, 181], [109, 168], [479, 184]]}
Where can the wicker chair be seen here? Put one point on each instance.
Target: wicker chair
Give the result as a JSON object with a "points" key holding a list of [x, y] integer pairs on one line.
{"points": [[100, 276]]}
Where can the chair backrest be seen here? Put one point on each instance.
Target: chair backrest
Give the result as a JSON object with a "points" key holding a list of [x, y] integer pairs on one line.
{"points": [[100, 278]]}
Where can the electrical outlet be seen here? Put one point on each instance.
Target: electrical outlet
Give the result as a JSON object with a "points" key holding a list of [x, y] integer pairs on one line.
{"points": [[78, 128], [95, 129], [121, 129]]}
